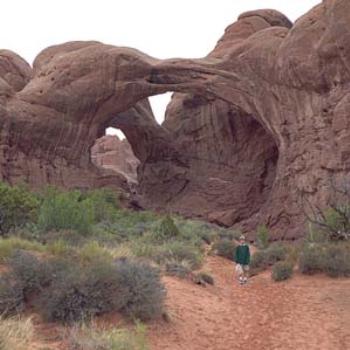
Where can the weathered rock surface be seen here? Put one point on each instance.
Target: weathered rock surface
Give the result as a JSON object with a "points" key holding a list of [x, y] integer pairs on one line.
{"points": [[260, 120], [109, 152]]}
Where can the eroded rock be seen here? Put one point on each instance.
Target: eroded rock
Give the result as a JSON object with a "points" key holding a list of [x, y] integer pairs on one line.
{"points": [[265, 113]]}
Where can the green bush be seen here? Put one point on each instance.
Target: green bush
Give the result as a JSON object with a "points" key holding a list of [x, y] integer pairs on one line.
{"points": [[282, 271], [330, 258], [11, 296], [312, 259], [18, 206], [262, 237], [224, 248], [196, 231], [178, 251], [146, 293], [264, 258], [66, 211], [104, 202], [29, 271], [79, 293], [166, 230], [338, 260]]}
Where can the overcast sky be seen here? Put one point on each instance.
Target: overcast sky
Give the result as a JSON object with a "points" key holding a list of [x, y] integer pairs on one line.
{"points": [[160, 28]]}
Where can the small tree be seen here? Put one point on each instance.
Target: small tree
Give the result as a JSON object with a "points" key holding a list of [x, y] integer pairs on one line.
{"points": [[333, 221], [263, 236], [166, 230]]}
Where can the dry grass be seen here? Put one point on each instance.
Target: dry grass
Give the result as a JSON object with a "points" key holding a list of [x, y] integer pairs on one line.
{"points": [[16, 333], [91, 337]]}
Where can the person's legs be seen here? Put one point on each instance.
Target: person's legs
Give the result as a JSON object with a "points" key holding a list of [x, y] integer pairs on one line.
{"points": [[245, 273]]}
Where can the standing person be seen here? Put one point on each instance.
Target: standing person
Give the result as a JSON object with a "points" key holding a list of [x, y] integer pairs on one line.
{"points": [[242, 259]]}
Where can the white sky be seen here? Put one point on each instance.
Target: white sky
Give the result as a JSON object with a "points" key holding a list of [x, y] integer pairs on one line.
{"points": [[160, 28]]}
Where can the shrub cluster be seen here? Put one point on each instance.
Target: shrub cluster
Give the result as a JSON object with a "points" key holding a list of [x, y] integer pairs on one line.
{"points": [[330, 258], [282, 271], [11, 296], [67, 291], [225, 248], [18, 206], [66, 210], [166, 230], [264, 258]]}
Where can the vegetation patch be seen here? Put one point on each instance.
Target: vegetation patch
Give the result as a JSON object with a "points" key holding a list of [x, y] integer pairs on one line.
{"points": [[225, 248], [330, 258], [16, 333], [91, 337], [282, 271]]}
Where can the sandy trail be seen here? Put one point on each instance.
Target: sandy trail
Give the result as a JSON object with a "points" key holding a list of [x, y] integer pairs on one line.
{"points": [[310, 313]]}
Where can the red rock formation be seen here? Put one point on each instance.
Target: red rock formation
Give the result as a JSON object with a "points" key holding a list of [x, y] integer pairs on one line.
{"points": [[109, 152], [283, 130]]}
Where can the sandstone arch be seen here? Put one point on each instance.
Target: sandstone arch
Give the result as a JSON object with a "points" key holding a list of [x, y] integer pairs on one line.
{"points": [[293, 80]]}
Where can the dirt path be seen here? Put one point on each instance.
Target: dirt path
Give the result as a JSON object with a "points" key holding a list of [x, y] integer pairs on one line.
{"points": [[310, 313]]}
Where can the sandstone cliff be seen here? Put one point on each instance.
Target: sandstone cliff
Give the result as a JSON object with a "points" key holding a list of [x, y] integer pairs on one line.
{"points": [[261, 120]]}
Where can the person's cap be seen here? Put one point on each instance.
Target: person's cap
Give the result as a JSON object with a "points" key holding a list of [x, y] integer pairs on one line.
{"points": [[242, 238]]}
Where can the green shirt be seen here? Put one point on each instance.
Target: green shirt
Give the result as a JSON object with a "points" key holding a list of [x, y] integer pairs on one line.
{"points": [[242, 254]]}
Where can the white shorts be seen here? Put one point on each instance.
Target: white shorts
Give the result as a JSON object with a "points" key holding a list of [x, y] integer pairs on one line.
{"points": [[240, 269]]}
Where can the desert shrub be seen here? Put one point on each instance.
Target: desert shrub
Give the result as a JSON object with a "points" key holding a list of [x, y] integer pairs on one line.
{"points": [[282, 271], [224, 248], [11, 296], [178, 251], [258, 260], [146, 293], [204, 278], [16, 333], [79, 293], [337, 260], [264, 258], [330, 258], [228, 234], [312, 259], [9, 245], [104, 202], [262, 236], [27, 269], [91, 337], [93, 252], [65, 211], [179, 269], [196, 231], [166, 230], [276, 252], [18, 206]]}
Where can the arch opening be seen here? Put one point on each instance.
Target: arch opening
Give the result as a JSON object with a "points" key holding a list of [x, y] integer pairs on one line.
{"points": [[113, 152]]}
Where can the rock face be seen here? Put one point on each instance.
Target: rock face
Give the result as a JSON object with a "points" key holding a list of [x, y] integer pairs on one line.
{"points": [[261, 120], [109, 152]]}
